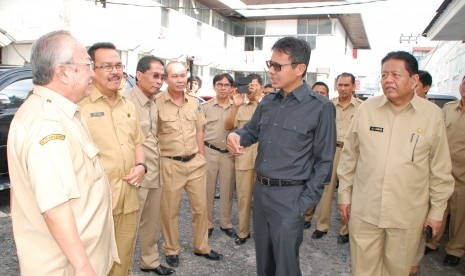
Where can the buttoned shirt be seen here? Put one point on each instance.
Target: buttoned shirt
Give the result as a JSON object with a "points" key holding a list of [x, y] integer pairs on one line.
{"points": [[215, 115], [394, 165], [116, 132], [246, 161], [454, 116], [147, 112], [344, 116], [177, 125], [52, 160], [296, 137]]}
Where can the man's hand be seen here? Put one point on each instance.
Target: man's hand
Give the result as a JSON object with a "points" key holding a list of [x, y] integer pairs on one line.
{"points": [[238, 99], [435, 225], [234, 144], [135, 176], [344, 211]]}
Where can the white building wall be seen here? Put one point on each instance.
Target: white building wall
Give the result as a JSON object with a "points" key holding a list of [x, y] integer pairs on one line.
{"points": [[136, 31], [446, 65]]}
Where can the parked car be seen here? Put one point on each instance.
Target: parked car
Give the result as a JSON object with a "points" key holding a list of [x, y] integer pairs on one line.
{"points": [[15, 85], [440, 99]]}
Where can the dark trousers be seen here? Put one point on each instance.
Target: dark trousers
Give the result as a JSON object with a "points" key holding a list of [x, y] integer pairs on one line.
{"points": [[278, 225]]}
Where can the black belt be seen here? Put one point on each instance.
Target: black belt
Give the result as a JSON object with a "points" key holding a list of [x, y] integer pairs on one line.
{"points": [[279, 182], [215, 148], [340, 144], [182, 158]]}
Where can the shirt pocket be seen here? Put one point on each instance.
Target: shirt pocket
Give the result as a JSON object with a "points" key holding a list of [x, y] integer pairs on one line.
{"points": [[168, 124], [294, 132], [421, 147], [191, 121]]}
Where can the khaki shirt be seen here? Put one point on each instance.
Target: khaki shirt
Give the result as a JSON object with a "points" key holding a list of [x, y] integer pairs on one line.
{"points": [[147, 112], [395, 165], [215, 115], [245, 161], [177, 125], [454, 116], [116, 132], [52, 160], [344, 116]]}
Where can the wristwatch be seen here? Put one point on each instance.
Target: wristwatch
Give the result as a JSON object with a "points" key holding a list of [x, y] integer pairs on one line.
{"points": [[143, 165]]}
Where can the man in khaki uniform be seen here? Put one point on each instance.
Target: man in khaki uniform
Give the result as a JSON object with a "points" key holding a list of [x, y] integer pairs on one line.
{"points": [[181, 141], [150, 76], [113, 124], [60, 197], [454, 116], [244, 164], [220, 164], [346, 107], [394, 173]]}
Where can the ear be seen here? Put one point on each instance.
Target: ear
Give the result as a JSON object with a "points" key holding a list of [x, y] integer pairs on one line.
{"points": [[139, 75], [415, 79], [301, 69], [61, 73]]}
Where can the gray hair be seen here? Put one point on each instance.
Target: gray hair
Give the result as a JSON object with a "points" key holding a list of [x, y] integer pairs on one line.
{"points": [[47, 53]]}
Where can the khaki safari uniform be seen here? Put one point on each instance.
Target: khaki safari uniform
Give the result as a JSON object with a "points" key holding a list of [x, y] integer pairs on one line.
{"points": [[116, 132], [344, 118], [220, 163], [149, 193], [245, 173], [52, 160], [454, 116], [395, 171], [182, 168]]}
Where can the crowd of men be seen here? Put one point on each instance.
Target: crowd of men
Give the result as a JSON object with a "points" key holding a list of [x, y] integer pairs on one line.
{"points": [[93, 167]]}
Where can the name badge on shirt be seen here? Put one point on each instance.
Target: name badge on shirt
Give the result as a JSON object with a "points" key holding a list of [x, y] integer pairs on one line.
{"points": [[378, 129], [97, 114]]}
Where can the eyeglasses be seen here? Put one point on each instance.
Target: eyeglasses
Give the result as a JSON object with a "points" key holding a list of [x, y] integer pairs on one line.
{"points": [[223, 85], [109, 67], [89, 65], [157, 76], [276, 66]]}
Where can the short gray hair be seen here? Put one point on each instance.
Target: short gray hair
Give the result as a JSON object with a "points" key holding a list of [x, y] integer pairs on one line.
{"points": [[47, 53]]}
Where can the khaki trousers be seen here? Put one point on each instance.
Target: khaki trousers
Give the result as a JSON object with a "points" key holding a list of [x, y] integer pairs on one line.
{"points": [[176, 177], [245, 181], [125, 234], [149, 226], [382, 251], [326, 201], [220, 167]]}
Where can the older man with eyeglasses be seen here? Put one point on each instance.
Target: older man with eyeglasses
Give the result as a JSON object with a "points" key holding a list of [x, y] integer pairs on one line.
{"points": [[114, 126]]}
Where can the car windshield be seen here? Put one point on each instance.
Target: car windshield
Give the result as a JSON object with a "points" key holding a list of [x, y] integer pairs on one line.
{"points": [[14, 94]]}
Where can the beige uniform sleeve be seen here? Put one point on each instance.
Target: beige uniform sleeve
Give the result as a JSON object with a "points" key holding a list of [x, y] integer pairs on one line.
{"points": [[348, 163], [440, 177], [200, 122]]}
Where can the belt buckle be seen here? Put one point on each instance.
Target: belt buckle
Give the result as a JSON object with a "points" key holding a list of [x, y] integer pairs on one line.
{"points": [[265, 181]]}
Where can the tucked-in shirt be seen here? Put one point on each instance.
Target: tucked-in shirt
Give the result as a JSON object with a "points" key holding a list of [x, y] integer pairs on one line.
{"points": [[215, 115], [52, 160], [454, 116], [246, 160], [116, 132], [296, 138], [344, 116], [394, 165], [147, 112], [177, 125]]}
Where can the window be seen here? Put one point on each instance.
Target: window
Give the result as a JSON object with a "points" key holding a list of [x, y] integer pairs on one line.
{"points": [[171, 4], [197, 11], [222, 23], [309, 29], [253, 31], [311, 39], [199, 30]]}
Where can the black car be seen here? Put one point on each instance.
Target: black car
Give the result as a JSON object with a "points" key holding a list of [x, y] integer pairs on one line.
{"points": [[15, 85], [440, 99]]}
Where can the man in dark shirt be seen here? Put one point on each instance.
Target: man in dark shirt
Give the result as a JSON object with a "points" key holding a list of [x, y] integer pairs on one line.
{"points": [[296, 132]]}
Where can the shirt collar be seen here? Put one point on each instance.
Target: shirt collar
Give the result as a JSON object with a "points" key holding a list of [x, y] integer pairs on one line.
{"points": [[215, 101], [298, 93], [141, 96], [95, 94], [66, 106], [415, 102]]}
